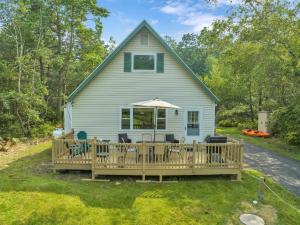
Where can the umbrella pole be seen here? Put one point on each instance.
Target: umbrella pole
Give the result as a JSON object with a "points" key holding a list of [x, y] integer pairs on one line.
{"points": [[155, 112]]}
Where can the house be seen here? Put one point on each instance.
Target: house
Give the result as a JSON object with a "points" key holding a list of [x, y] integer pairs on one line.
{"points": [[141, 68], [108, 102]]}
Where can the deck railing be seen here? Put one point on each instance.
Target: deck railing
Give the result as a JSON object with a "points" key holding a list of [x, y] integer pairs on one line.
{"points": [[140, 158]]}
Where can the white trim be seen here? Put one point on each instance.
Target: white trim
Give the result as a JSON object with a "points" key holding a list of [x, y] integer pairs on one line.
{"points": [[131, 119], [143, 53]]}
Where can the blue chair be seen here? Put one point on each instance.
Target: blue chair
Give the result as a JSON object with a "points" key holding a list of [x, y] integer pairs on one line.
{"points": [[82, 135], [80, 148]]}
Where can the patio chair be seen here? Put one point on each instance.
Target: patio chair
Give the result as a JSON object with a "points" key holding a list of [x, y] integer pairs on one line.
{"points": [[171, 138], [82, 135], [174, 151], [79, 148], [159, 152], [123, 138], [122, 149]]}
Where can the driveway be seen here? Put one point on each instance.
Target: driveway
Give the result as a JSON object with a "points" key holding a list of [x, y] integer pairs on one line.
{"points": [[284, 170]]}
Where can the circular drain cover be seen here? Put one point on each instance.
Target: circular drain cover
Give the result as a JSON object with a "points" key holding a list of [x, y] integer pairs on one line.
{"points": [[250, 219]]}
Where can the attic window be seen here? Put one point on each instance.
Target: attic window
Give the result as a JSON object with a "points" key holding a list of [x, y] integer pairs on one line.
{"points": [[144, 62], [144, 38]]}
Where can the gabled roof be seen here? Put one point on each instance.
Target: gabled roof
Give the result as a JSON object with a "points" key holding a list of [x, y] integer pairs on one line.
{"points": [[143, 24]]}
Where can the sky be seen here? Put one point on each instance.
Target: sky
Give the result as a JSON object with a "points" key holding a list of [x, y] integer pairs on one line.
{"points": [[168, 17]]}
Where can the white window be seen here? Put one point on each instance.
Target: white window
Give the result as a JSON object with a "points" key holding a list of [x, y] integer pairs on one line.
{"points": [[125, 119], [161, 119], [142, 118], [144, 62]]}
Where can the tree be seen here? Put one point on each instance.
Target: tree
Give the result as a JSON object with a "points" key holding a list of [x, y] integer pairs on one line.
{"points": [[257, 58], [46, 48], [190, 49]]}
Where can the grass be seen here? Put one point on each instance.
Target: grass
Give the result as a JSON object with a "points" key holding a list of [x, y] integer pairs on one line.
{"points": [[273, 144], [30, 193]]}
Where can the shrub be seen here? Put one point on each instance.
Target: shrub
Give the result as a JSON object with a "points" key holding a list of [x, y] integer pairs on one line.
{"points": [[227, 123], [44, 130], [247, 125], [293, 138], [235, 114], [285, 123]]}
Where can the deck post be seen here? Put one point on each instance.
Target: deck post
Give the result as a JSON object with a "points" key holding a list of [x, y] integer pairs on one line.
{"points": [[239, 176], [194, 154], [94, 145], [160, 178], [143, 165], [241, 154], [53, 155], [261, 189]]}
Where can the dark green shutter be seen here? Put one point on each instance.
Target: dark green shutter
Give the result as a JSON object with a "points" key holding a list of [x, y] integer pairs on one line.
{"points": [[127, 62], [160, 63]]}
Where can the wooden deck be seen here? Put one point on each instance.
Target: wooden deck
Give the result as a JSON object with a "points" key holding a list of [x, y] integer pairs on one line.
{"points": [[144, 159]]}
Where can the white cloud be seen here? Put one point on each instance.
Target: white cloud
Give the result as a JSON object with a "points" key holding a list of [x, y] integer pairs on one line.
{"points": [[174, 8], [190, 13], [124, 19], [199, 21], [153, 22], [229, 2]]}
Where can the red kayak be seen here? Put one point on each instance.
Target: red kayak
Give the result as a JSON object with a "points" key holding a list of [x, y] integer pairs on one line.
{"points": [[255, 133]]}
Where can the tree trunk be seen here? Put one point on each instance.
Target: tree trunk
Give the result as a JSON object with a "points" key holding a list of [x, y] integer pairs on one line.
{"points": [[251, 101], [21, 122], [60, 74], [64, 69], [42, 70], [260, 99]]}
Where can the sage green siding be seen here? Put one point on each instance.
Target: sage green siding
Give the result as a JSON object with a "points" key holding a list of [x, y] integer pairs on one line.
{"points": [[97, 108]]}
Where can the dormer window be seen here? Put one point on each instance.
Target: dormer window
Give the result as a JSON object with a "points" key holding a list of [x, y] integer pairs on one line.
{"points": [[144, 38]]}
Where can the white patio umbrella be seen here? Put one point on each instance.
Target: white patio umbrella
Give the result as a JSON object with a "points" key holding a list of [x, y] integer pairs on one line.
{"points": [[155, 104]]}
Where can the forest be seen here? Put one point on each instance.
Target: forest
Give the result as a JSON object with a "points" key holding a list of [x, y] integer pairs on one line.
{"points": [[250, 60]]}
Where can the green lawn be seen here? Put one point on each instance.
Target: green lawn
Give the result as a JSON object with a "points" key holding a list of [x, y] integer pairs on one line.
{"points": [[273, 144], [31, 194]]}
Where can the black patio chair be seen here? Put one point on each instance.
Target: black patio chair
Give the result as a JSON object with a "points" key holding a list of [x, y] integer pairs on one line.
{"points": [[171, 138], [123, 138]]}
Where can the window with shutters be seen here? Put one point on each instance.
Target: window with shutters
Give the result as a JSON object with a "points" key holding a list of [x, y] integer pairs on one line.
{"points": [[144, 62], [148, 62]]}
